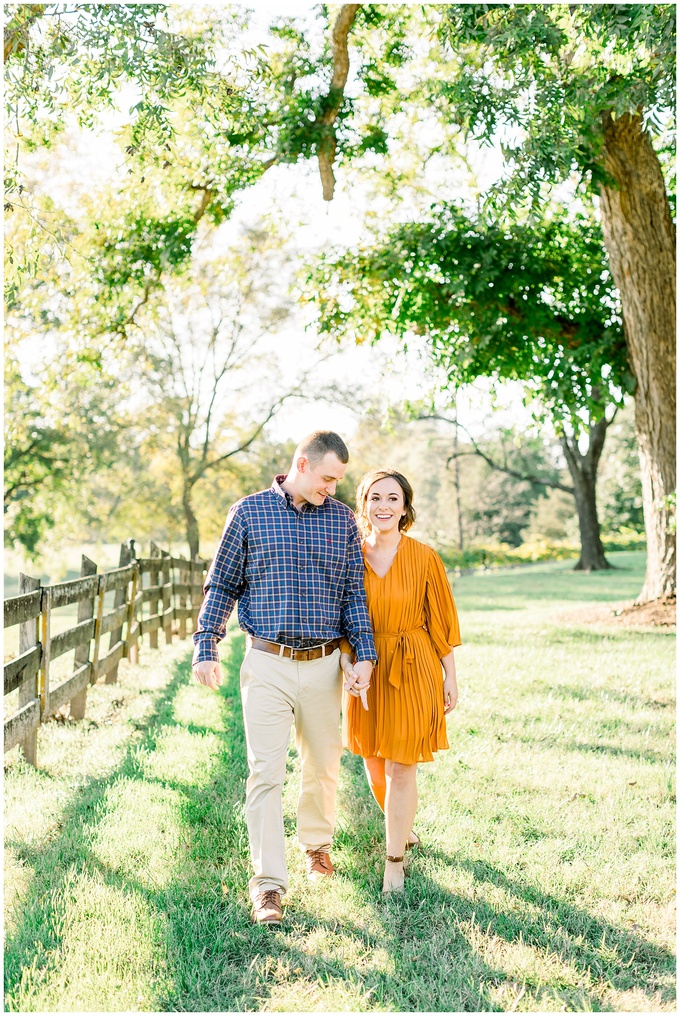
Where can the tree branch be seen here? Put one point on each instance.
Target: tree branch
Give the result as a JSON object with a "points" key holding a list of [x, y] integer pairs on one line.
{"points": [[335, 97], [528, 477], [245, 444], [16, 32]]}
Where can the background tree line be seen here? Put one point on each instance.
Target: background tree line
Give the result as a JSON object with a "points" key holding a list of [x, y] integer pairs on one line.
{"points": [[571, 298]]}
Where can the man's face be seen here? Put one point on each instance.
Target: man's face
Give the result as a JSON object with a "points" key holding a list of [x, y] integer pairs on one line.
{"points": [[319, 482]]}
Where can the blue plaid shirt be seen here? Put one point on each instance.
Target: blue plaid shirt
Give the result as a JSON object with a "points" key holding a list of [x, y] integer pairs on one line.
{"points": [[298, 576]]}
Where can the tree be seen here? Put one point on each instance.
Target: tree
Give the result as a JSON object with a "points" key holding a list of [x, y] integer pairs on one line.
{"points": [[574, 92], [212, 382], [583, 467], [69, 65], [59, 430], [212, 117], [531, 302], [589, 88]]}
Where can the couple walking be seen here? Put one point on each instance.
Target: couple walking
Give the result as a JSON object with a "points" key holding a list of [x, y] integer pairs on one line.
{"points": [[314, 601]]}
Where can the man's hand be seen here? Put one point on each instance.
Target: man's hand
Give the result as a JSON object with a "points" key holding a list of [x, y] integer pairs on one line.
{"points": [[346, 665], [208, 672], [358, 680]]}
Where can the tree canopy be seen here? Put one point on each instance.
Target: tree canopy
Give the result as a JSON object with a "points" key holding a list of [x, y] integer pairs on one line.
{"points": [[532, 302], [547, 77], [579, 97]]}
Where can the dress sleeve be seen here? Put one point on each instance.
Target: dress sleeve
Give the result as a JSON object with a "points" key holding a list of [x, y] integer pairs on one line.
{"points": [[346, 647], [440, 609]]}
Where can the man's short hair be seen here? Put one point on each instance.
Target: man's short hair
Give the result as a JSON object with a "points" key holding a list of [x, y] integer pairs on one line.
{"points": [[318, 444]]}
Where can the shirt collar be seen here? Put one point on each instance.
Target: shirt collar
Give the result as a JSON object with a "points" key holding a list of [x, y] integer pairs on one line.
{"points": [[286, 498]]}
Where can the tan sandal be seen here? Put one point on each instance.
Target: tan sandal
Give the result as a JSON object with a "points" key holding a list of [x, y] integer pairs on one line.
{"points": [[391, 888]]}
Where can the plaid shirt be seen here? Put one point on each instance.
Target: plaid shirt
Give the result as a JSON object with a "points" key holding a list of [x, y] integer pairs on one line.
{"points": [[298, 576]]}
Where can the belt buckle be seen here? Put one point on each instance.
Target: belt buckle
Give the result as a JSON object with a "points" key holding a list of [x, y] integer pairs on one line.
{"points": [[307, 650]]}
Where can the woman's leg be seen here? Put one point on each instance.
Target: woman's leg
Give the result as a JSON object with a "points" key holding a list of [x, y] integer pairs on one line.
{"points": [[401, 801], [375, 773]]}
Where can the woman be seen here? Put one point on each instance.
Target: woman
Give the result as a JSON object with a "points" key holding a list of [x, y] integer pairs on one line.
{"points": [[416, 627]]}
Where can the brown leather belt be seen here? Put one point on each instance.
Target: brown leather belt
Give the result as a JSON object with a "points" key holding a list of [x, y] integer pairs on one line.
{"points": [[316, 653]]}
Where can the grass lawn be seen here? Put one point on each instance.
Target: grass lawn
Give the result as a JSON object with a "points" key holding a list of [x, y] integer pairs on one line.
{"points": [[546, 882]]}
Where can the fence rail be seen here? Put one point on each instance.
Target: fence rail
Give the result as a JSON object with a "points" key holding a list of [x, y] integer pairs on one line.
{"points": [[152, 594]]}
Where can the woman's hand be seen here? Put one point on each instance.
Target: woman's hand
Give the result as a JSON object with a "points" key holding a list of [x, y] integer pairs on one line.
{"points": [[450, 693]]}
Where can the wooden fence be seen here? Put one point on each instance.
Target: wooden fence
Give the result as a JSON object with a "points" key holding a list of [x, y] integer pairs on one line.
{"points": [[149, 594]]}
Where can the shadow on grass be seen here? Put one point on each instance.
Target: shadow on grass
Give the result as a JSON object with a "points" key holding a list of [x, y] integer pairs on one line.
{"points": [[604, 695], [216, 960], [431, 914], [431, 924], [217, 852], [599, 747]]}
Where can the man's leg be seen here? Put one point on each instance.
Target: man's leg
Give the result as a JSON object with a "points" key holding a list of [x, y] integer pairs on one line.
{"points": [[318, 740], [268, 688]]}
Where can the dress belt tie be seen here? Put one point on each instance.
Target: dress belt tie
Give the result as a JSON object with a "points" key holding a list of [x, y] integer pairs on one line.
{"points": [[403, 652]]}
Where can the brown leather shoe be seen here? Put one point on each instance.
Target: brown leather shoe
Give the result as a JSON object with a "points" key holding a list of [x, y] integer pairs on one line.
{"points": [[267, 907], [319, 865]]}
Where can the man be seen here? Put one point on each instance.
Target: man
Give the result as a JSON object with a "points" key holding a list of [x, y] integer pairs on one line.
{"points": [[291, 556]]}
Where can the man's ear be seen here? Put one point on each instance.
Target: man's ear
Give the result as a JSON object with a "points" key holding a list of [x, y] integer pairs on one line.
{"points": [[302, 463]]}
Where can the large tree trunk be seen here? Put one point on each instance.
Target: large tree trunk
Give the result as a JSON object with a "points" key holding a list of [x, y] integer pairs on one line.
{"points": [[191, 523], [583, 470], [640, 240]]}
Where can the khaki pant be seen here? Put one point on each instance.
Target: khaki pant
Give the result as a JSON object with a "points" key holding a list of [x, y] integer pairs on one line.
{"points": [[275, 692]]}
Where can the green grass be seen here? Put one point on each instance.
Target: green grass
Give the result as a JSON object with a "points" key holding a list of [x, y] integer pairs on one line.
{"points": [[546, 882]]}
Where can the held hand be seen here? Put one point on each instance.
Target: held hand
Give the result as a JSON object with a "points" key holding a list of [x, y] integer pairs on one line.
{"points": [[358, 678], [363, 671], [347, 668], [208, 672], [450, 694], [346, 664]]}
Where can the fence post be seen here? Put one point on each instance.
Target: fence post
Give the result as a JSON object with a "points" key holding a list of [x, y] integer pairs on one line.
{"points": [[182, 621], [45, 638], [29, 636], [166, 579], [201, 568], [194, 606], [120, 597], [101, 593], [154, 551], [82, 654], [132, 643]]}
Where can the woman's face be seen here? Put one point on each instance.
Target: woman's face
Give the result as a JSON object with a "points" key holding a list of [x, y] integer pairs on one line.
{"points": [[385, 505]]}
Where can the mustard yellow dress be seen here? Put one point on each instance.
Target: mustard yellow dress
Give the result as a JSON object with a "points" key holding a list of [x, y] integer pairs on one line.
{"points": [[415, 624]]}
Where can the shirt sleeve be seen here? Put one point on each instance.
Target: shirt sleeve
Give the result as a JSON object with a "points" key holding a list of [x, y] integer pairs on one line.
{"points": [[224, 584], [440, 610], [354, 617]]}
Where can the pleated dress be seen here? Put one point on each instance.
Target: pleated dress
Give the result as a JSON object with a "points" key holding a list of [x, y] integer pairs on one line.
{"points": [[415, 624]]}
